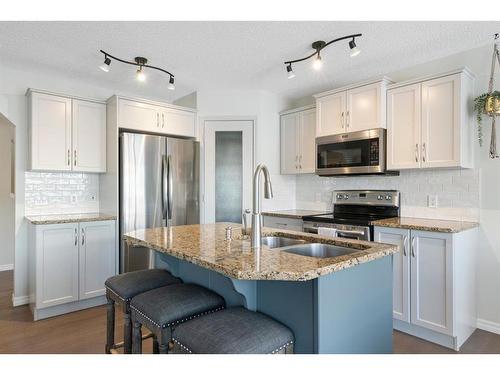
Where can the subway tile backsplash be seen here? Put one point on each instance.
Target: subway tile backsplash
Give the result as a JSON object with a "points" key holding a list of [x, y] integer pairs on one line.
{"points": [[52, 193], [457, 191]]}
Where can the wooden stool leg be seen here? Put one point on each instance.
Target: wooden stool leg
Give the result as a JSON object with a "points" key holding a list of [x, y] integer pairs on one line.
{"points": [[137, 338], [156, 346], [127, 334], [110, 326]]}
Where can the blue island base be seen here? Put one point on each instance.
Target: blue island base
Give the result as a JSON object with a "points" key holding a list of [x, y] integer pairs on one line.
{"points": [[348, 311]]}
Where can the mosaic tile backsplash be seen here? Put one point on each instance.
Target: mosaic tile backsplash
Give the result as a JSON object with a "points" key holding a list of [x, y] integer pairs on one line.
{"points": [[53, 193]]}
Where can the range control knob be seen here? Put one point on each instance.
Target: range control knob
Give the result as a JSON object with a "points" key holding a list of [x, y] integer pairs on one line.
{"points": [[339, 196], [379, 197], [388, 197], [346, 196]]}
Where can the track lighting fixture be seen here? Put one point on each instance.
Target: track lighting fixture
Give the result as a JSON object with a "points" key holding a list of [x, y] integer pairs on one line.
{"points": [[105, 65], [141, 63], [318, 46]]}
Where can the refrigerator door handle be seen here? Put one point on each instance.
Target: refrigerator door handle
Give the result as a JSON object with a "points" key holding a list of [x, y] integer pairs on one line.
{"points": [[164, 189], [170, 187]]}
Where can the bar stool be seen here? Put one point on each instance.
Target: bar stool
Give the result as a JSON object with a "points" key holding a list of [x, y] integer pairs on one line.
{"points": [[161, 309], [120, 289], [233, 331]]}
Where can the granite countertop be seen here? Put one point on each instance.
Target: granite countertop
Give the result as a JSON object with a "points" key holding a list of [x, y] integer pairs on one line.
{"points": [[68, 218], [293, 214], [205, 245], [431, 225]]}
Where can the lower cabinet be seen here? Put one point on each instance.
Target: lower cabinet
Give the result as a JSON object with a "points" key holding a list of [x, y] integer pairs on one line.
{"points": [[283, 223], [433, 283], [69, 264]]}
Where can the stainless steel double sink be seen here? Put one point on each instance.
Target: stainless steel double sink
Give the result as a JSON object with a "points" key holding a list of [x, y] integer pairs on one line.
{"points": [[308, 249]]}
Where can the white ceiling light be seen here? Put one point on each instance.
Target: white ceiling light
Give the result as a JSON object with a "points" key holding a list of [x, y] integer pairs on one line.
{"points": [[141, 77], [318, 63]]}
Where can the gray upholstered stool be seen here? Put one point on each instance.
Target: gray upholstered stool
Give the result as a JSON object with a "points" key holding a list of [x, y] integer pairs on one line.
{"points": [[233, 331], [161, 309], [120, 289]]}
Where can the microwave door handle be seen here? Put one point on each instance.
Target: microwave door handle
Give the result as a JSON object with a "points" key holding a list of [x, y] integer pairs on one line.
{"points": [[170, 180]]}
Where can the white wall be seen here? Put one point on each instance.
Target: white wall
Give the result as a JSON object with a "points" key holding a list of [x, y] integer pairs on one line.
{"points": [[7, 212]]}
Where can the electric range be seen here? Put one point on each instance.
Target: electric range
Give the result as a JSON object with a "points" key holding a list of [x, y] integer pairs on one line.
{"points": [[354, 212]]}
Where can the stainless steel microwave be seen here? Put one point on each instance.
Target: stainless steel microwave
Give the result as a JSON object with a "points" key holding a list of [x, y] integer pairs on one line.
{"points": [[360, 152]]}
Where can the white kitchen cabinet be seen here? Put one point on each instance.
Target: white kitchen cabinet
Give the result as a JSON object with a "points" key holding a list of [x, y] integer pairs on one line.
{"points": [[434, 283], [66, 134], [283, 223], [429, 122], [353, 108], [89, 136], [68, 265], [156, 118], [97, 257], [50, 132], [298, 132], [56, 264]]}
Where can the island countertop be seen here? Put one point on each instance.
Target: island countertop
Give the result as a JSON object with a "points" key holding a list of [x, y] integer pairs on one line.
{"points": [[205, 246]]}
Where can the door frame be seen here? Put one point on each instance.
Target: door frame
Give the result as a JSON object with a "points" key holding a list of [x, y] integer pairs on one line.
{"points": [[202, 138]]}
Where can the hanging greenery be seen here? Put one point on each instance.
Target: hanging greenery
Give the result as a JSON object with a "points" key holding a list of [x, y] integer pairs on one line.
{"points": [[480, 109]]}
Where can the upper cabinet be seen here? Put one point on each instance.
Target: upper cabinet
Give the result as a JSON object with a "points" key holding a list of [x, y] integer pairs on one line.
{"points": [[156, 118], [298, 132], [355, 108], [428, 123], [66, 134]]}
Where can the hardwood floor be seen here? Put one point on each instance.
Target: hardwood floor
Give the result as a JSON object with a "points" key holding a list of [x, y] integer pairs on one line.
{"points": [[85, 331]]}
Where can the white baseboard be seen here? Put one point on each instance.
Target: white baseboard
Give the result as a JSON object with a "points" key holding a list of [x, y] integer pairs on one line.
{"points": [[21, 300], [489, 326], [6, 267]]}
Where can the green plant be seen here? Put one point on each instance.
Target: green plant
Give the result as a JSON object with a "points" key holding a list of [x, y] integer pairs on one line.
{"points": [[479, 108]]}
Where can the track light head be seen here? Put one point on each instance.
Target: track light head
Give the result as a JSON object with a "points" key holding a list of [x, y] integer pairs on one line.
{"points": [[355, 51], [141, 77], [318, 63], [171, 85], [105, 65], [290, 72]]}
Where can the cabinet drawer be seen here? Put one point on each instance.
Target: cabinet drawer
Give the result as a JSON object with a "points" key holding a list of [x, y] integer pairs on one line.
{"points": [[283, 223]]}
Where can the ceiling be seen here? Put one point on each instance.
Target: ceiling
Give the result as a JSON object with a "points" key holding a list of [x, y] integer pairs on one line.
{"points": [[240, 55]]}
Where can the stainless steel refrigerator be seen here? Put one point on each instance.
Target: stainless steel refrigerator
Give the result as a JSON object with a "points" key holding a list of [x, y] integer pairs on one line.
{"points": [[159, 186]]}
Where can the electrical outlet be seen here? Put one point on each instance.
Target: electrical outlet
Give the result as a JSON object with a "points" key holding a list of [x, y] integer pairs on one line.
{"points": [[432, 201], [73, 198]]}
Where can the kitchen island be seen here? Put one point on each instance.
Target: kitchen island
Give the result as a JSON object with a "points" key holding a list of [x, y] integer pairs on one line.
{"points": [[340, 304]]}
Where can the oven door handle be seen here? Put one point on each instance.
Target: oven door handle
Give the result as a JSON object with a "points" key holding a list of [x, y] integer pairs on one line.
{"points": [[356, 232]]}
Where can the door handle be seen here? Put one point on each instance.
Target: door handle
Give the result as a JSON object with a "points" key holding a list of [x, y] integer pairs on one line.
{"points": [[76, 237], [423, 152], [170, 181], [83, 236], [405, 241], [413, 247], [416, 152]]}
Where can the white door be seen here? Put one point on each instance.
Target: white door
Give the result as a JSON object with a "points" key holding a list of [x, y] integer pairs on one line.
{"points": [[139, 116], [403, 127], [97, 257], [401, 269], [330, 111], [89, 136], [228, 169], [50, 132], [432, 281], [289, 143], [364, 108], [56, 264], [441, 122], [177, 122], [307, 141]]}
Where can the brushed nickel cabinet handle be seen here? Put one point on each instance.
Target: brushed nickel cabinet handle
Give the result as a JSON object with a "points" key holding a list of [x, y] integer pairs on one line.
{"points": [[423, 152], [157, 120], [342, 120], [416, 152], [69, 157], [348, 118], [83, 236], [74, 161], [76, 237], [413, 247], [405, 241]]}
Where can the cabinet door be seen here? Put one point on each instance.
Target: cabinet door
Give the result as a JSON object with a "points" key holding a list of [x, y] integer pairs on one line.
{"points": [[401, 270], [403, 127], [330, 112], [365, 108], [139, 116], [289, 147], [89, 136], [97, 257], [432, 281], [441, 122], [56, 264], [307, 141], [50, 132], [177, 122]]}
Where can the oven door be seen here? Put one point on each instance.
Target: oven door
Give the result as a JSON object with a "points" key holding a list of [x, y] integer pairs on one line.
{"points": [[351, 153], [356, 232]]}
